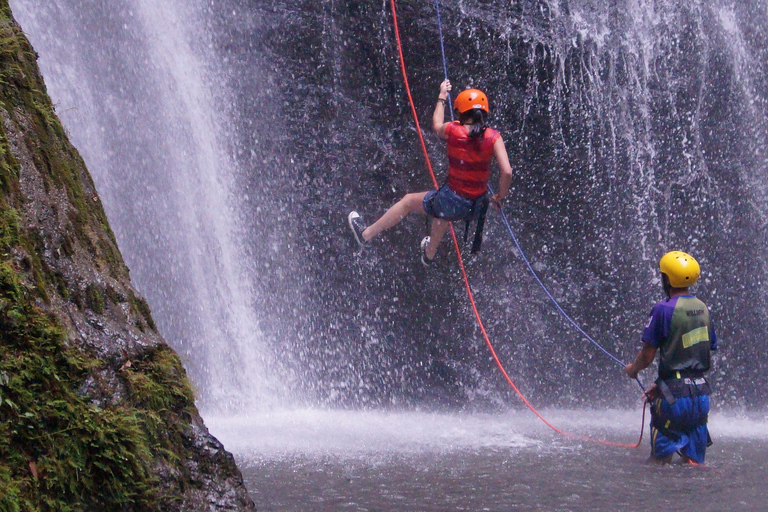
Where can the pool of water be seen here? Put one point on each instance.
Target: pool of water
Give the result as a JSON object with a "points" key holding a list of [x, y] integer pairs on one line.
{"points": [[314, 460]]}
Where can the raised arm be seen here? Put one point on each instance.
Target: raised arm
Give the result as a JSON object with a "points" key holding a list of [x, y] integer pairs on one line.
{"points": [[438, 117]]}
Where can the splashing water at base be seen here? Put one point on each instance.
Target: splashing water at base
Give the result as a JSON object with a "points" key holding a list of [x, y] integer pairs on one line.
{"points": [[418, 461]]}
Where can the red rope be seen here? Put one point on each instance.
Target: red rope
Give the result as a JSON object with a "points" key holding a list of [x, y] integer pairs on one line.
{"points": [[464, 272]]}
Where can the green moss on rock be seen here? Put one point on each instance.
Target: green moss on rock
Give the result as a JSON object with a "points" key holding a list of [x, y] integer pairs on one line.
{"points": [[90, 418], [60, 451]]}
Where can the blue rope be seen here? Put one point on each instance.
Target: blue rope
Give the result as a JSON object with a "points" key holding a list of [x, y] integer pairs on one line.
{"points": [[442, 51], [551, 298], [546, 291], [512, 234]]}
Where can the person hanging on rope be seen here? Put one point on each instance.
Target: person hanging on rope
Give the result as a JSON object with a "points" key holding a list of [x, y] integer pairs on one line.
{"points": [[681, 331], [471, 146]]}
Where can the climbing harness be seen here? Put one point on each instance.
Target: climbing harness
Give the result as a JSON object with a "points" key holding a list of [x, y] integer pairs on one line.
{"points": [[478, 213], [461, 262]]}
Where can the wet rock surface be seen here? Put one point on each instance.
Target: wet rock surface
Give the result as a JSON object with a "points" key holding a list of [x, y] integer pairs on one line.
{"points": [[63, 270]]}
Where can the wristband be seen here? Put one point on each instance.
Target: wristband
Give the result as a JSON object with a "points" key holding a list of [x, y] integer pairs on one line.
{"points": [[443, 101]]}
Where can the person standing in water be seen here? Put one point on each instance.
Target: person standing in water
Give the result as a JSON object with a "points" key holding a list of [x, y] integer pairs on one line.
{"points": [[471, 146], [680, 329]]}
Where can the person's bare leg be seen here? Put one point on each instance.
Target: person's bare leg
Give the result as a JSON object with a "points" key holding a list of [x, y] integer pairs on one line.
{"points": [[436, 234], [410, 203]]}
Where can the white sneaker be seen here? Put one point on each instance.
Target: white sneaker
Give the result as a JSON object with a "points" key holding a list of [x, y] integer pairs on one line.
{"points": [[424, 260], [357, 226]]}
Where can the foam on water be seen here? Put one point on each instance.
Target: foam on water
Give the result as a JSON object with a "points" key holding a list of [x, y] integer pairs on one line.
{"points": [[349, 434], [315, 432]]}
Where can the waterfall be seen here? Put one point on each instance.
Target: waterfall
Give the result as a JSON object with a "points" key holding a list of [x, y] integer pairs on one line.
{"points": [[229, 139], [136, 87]]}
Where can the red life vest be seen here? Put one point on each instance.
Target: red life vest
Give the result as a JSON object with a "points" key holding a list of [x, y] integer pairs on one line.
{"points": [[469, 160]]}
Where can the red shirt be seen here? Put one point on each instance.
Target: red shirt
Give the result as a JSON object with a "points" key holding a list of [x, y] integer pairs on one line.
{"points": [[469, 160]]}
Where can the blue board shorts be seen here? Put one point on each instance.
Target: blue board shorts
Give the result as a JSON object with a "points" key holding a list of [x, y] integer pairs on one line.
{"points": [[689, 441], [446, 204]]}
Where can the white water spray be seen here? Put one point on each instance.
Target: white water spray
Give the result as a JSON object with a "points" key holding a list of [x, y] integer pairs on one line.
{"points": [[164, 132]]}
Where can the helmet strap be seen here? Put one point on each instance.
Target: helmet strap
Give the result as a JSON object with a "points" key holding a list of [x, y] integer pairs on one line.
{"points": [[670, 290], [665, 284]]}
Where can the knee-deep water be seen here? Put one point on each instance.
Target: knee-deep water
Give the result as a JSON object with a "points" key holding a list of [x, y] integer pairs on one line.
{"points": [[319, 460]]}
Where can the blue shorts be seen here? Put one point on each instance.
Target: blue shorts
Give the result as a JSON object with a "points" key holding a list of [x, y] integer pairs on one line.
{"points": [[445, 204], [688, 432]]}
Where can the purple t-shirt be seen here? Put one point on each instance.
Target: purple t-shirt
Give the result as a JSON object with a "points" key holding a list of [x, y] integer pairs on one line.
{"points": [[681, 329]]}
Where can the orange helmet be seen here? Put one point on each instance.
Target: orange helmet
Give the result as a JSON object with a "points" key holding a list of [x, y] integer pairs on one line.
{"points": [[470, 99]]}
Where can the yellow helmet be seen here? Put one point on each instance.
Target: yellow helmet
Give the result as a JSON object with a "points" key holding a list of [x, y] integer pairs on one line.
{"points": [[681, 269]]}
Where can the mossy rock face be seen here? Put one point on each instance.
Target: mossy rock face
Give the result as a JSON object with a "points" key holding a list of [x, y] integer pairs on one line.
{"points": [[96, 412]]}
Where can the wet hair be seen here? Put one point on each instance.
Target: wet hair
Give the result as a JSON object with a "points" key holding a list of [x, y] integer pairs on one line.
{"points": [[477, 117]]}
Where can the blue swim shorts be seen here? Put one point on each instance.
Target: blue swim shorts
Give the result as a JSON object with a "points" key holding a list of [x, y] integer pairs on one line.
{"points": [[445, 204], [687, 433]]}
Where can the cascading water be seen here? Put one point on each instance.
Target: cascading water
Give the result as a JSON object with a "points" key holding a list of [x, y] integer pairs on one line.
{"points": [[135, 86], [228, 140]]}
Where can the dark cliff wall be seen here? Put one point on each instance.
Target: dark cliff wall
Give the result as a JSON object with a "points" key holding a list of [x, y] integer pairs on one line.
{"points": [[95, 410], [633, 128]]}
